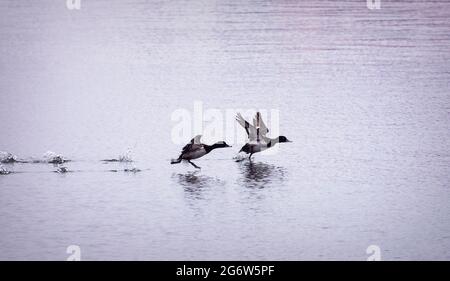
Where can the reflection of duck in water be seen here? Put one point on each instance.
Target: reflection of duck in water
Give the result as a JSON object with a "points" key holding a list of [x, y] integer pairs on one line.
{"points": [[195, 149], [257, 139], [194, 184], [260, 174], [192, 179]]}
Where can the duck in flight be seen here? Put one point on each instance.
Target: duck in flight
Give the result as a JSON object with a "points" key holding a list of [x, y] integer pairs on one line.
{"points": [[256, 132], [195, 149]]}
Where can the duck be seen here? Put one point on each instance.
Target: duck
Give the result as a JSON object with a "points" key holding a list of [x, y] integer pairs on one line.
{"points": [[257, 135], [195, 149]]}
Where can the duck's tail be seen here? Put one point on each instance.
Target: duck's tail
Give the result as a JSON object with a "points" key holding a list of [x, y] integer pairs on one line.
{"points": [[245, 148], [175, 161]]}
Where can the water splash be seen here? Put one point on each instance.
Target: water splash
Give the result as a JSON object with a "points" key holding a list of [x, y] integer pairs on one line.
{"points": [[240, 157], [6, 157], [53, 158], [4, 171], [132, 170], [62, 170], [125, 158]]}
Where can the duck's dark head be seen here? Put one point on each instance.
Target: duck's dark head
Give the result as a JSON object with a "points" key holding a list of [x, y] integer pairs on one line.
{"points": [[220, 144], [283, 139]]}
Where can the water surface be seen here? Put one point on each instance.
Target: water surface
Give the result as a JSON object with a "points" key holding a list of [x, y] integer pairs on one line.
{"points": [[364, 95]]}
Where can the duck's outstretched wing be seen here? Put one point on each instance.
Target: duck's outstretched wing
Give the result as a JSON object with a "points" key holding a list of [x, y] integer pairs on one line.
{"points": [[249, 128], [259, 125], [194, 144], [196, 139]]}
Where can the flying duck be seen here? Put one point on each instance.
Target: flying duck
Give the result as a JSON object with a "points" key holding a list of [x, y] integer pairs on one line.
{"points": [[257, 139], [195, 149]]}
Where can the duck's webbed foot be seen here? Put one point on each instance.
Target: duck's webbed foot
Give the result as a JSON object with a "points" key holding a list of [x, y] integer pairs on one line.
{"points": [[197, 167]]}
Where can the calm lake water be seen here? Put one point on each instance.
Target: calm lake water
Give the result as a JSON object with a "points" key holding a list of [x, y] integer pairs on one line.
{"points": [[364, 95]]}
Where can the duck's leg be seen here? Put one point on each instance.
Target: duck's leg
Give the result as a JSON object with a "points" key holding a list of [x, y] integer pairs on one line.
{"points": [[194, 164], [250, 157], [175, 161]]}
